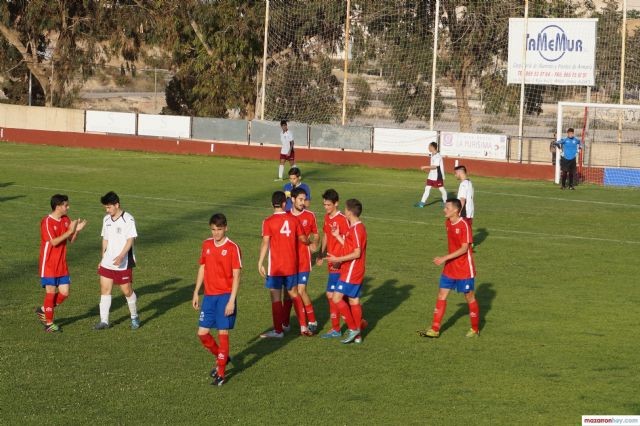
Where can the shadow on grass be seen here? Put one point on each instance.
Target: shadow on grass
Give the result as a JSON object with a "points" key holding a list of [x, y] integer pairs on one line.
{"points": [[480, 236], [5, 184], [3, 199], [485, 294], [382, 300]]}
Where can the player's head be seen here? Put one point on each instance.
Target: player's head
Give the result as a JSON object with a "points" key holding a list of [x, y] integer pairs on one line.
{"points": [[218, 226], [433, 147], [461, 172], [353, 208], [278, 200], [283, 125], [298, 196], [330, 200], [570, 132], [294, 176], [111, 203], [60, 202], [452, 208]]}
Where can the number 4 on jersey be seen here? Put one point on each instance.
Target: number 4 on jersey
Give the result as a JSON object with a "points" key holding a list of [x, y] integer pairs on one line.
{"points": [[285, 229]]}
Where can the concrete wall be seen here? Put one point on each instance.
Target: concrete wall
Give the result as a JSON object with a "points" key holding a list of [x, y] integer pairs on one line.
{"points": [[39, 118]]}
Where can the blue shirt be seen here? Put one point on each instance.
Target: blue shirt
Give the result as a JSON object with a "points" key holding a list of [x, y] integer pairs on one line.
{"points": [[570, 147], [288, 187]]}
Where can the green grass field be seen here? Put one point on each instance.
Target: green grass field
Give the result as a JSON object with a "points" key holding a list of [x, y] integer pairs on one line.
{"points": [[557, 284]]}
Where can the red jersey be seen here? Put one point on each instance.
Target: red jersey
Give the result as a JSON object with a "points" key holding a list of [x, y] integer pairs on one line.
{"points": [[309, 225], [283, 231], [219, 262], [53, 260], [333, 246], [461, 267], [352, 272]]}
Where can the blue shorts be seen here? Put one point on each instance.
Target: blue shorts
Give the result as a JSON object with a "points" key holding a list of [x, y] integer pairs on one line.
{"points": [[332, 281], [55, 281], [278, 282], [349, 290], [303, 278], [212, 312], [461, 286]]}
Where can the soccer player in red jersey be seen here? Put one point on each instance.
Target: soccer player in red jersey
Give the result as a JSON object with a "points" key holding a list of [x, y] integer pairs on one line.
{"points": [[220, 264], [280, 236], [459, 270], [352, 258], [55, 230], [310, 228], [333, 220]]}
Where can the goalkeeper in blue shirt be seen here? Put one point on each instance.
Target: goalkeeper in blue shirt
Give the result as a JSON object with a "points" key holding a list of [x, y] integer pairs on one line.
{"points": [[570, 147]]}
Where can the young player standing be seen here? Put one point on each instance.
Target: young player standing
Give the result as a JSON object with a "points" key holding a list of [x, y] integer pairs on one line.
{"points": [[310, 228], [459, 270], [570, 147], [118, 234], [465, 194], [435, 178], [333, 220], [287, 152], [55, 230], [220, 264], [352, 258], [295, 181], [280, 235]]}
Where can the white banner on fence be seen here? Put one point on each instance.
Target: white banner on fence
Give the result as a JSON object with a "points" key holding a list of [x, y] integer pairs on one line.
{"points": [[402, 141], [560, 52], [171, 126], [473, 145], [110, 122]]}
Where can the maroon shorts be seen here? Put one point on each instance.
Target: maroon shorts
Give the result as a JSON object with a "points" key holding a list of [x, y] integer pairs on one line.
{"points": [[291, 156], [118, 277], [435, 183]]}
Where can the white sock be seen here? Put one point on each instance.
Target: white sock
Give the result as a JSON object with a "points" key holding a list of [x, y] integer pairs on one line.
{"points": [[280, 171], [444, 194], [427, 189], [131, 301], [105, 305]]}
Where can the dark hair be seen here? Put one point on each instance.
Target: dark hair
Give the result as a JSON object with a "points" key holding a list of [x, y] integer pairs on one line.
{"points": [[463, 168], [354, 206], [294, 171], [58, 200], [218, 220], [297, 191], [277, 198], [435, 145], [283, 122], [331, 195], [570, 130], [456, 203], [110, 198]]}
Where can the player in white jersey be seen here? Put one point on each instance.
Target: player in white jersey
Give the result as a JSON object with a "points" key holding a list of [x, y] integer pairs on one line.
{"points": [[465, 194], [118, 234], [435, 178], [287, 152]]}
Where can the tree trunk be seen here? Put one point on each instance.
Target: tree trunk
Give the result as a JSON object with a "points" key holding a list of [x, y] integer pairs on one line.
{"points": [[462, 102]]}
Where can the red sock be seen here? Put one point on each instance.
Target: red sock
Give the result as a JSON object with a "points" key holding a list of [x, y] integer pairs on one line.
{"points": [[223, 356], [438, 313], [344, 310], [286, 311], [356, 311], [57, 301], [209, 343], [311, 316], [474, 315], [299, 307], [48, 307], [334, 315], [276, 313]]}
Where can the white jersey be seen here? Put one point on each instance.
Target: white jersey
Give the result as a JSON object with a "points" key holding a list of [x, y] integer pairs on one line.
{"points": [[438, 172], [116, 233], [466, 191], [285, 139]]}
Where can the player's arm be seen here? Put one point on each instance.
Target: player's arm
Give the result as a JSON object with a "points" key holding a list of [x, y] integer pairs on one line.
{"points": [[195, 301], [323, 250], [355, 254], [231, 305], [264, 246], [79, 227], [314, 243], [127, 246], [335, 231], [442, 259], [72, 229]]}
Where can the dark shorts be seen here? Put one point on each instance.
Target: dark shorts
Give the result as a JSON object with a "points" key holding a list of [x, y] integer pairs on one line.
{"points": [[303, 278], [278, 282], [435, 183], [350, 290], [291, 156], [568, 165], [460, 285], [332, 281], [212, 312], [55, 281], [118, 277]]}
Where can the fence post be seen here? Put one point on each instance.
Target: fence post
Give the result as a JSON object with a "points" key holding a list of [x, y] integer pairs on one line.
{"points": [[264, 59], [346, 63], [524, 76], [434, 61], [622, 58]]}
